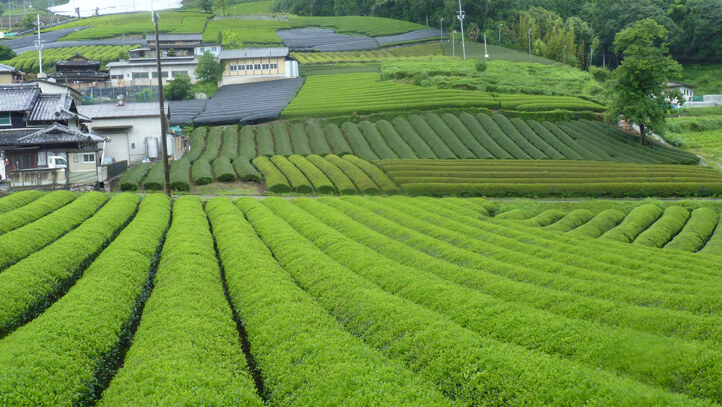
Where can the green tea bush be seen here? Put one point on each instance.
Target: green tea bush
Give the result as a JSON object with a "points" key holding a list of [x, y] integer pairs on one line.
{"points": [[223, 169], [275, 180], [407, 132], [637, 221], [245, 170], [358, 142], [299, 139], [248, 142], [600, 224], [696, 232], [201, 172], [340, 180], [213, 143], [572, 220], [230, 142], [385, 183], [264, 138], [154, 180], [317, 139], [34, 210], [18, 199], [363, 182], [665, 228], [180, 174], [130, 181], [299, 183], [336, 140], [282, 140], [318, 179]]}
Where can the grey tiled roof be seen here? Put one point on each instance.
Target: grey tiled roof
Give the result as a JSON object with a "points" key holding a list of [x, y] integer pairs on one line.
{"points": [[18, 98], [5, 68], [253, 53], [129, 110], [55, 134], [52, 107]]}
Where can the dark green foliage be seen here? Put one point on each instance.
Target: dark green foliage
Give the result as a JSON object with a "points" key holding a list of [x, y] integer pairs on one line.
{"points": [[34, 210], [394, 140], [465, 136], [553, 141], [154, 180], [472, 125], [130, 181], [264, 138], [179, 88], [223, 169], [665, 228], [171, 362], [209, 68], [376, 141], [198, 143], [245, 170], [412, 138], [230, 142], [299, 183], [213, 143], [201, 172], [536, 140], [282, 140], [338, 143], [317, 139], [500, 137], [120, 273], [275, 180], [508, 128], [30, 285], [426, 133], [318, 179], [180, 175], [377, 175], [248, 142], [299, 140], [341, 181], [358, 142], [450, 139]]}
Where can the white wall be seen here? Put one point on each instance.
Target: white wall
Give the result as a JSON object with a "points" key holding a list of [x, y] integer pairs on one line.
{"points": [[127, 73], [133, 139]]}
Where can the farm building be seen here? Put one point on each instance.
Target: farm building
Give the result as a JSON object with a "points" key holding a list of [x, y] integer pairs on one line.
{"points": [[143, 71], [687, 90], [132, 130], [182, 45], [257, 64], [79, 72], [8, 75]]}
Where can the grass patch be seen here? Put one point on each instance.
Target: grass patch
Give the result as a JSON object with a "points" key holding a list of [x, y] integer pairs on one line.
{"points": [[475, 50], [706, 79], [370, 26], [252, 32], [380, 55]]}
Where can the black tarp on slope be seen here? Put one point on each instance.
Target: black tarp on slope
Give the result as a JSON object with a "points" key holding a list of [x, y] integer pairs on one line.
{"points": [[248, 102], [47, 37], [411, 36], [184, 111], [319, 39]]}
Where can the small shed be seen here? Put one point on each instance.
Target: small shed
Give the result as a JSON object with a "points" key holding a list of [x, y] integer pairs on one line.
{"points": [[687, 90], [257, 64]]}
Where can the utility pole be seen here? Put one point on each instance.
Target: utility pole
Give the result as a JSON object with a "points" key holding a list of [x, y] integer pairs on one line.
{"points": [[453, 44], [461, 16], [486, 53], [441, 31], [40, 49], [161, 101], [500, 34], [565, 55], [529, 39]]}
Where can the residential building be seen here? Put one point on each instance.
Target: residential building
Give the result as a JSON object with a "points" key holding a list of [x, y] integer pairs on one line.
{"points": [[79, 72], [144, 72], [180, 44], [8, 75], [257, 64], [686, 90], [132, 131]]}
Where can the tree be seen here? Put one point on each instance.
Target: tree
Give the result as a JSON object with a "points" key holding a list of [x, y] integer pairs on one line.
{"points": [[206, 5], [221, 5], [6, 53], [170, 52], [639, 85], [179, 88], [231, 40], [473, 31], [209, 69], [29, 21]]}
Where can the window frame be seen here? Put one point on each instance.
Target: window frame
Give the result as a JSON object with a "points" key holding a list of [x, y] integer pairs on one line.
{"points": [[93, 160], [9, 117]]}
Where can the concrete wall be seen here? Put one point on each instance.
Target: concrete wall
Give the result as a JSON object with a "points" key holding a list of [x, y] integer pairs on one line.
{"points": [[127, 74], [6, 78], [130, 144], [285, 69], [38, 177]]}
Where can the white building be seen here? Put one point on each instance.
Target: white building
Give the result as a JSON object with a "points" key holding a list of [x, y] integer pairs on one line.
{"points": [[144, 71], [686, 90], [133, 130], [256, 64]]}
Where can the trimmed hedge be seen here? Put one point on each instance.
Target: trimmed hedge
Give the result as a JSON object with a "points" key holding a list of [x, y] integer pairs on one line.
{"points": [[31, 285], [385, 183], [637, 221], [155, 179], [35, 210], [198, 143], [553, 141], [248, 141], [299, 183], [275, 180], [338, 143], [230, 142], [545, 218], [447, 136], [536, 140], [394, 140], [180, 175], [500, 137], [362, 181], [376, 141], [412, 138], [508, 128], [318, 179], [696, 232], [223, 169], [282, 140], [202, 172], [665, 228], [299, 140], [186, 349], [714, 244], [18, 199], [317, 139], [264, 138], [292, 336], [358, 142], [341, 181], [30, 238], [472, 125], [572, 220], [130, 181], [465, 136], [600, 224], [426, 133], [34, 373], [213, 143], [245, 170]]}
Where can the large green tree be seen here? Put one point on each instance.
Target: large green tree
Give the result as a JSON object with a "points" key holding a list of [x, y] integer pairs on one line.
{"points": [[640, 94], [179, 88], [209, 69], [6, 53]]}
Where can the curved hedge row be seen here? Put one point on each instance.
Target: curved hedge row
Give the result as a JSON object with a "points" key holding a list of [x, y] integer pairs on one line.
{"points": [[299, 183], [318, 179], [572, 220], [394, 140], [336, 140], [214, 139], [180, 175], [248, 142], [202, 171], [170, 362], [376, 141], [275, 180], [299, 140], [245, 170], [362, 181], [34, 210], [696, 232], [230, 142], [264, 140], [121, 272], [317, 139], [379, 177], [223, 169], [358, 142], [130, 181], [155, 179], [412, 138], [28, 287], [637, 221], [341, 181], [665, 228], [18, 199], [198, 144], [282, 140], [714, 244]]}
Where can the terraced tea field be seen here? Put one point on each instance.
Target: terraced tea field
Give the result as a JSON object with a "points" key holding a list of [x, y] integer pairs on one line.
{"points": [[386, 301]]}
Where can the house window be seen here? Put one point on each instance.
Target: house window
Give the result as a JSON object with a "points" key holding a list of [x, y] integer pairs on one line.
{"points": [[42, 158], [140, 75], [274, 66], [241, 67], [266, 66], [257, 67], [89, 158], [163, 74], [116, 76], [179, 73], [5, 119]]}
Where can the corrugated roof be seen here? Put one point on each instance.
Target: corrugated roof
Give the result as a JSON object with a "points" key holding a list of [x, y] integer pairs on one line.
{"points": [[5, 69], [18, 98], [175, 37], [253, 53], [129, 110], [55, 134]]}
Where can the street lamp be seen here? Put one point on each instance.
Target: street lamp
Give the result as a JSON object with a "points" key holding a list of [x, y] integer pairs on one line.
{"points": [[441, 31], [461, 17], [500, 34]]}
